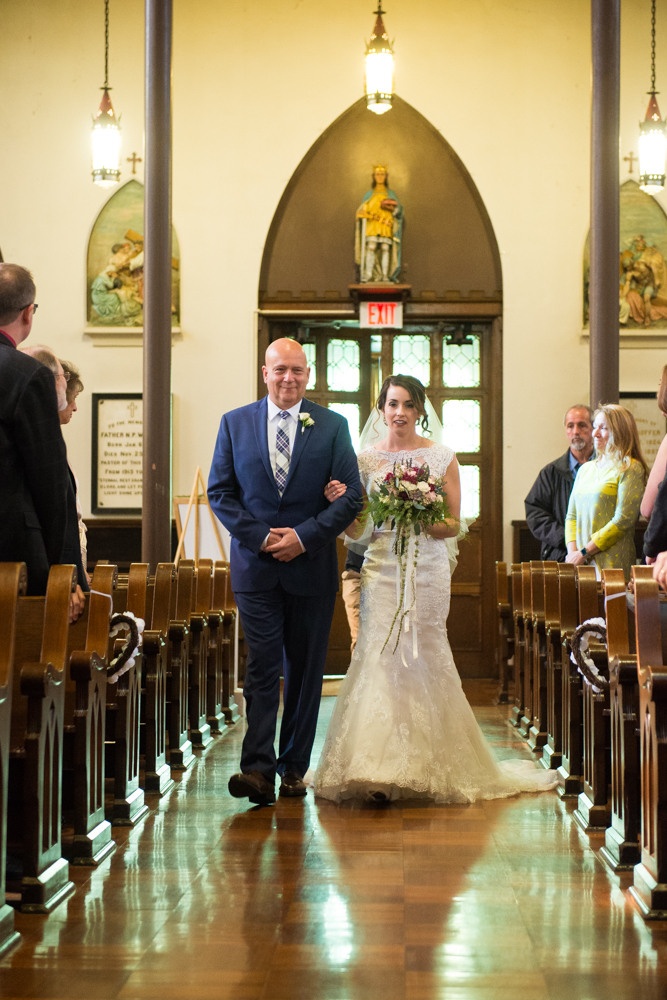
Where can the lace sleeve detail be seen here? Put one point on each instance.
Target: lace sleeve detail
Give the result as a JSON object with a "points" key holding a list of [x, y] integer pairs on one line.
{"points": [[369, 462]]}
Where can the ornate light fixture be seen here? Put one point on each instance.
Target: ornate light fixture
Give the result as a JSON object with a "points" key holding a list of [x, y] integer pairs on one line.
{"points": [[379, 68], [652, 138], [106, 127]]}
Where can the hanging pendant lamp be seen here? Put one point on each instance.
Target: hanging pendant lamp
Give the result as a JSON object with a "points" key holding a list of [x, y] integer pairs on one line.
{"points": [[106, 127], [652, 138], [379, 68]]}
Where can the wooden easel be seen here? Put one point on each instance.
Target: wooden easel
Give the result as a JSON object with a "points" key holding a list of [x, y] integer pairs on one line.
{"points": [[198, 498]]}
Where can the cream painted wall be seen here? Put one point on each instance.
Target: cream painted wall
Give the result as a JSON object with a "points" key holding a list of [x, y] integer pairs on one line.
{"points": [[507, 82]]}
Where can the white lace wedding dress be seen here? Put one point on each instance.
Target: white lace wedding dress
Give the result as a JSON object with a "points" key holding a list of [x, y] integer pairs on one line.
{"points": [[402, 724]]}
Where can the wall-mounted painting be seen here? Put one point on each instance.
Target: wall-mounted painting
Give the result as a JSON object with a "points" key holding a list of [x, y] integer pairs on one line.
{"points": [[116, 263], [642, 273]]}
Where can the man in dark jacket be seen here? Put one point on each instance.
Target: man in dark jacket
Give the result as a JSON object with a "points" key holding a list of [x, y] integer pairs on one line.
{"points": [[546, 504], [34, 478]]}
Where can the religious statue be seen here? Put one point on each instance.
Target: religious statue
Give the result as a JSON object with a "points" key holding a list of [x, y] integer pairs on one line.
{"points": [[378, 231]]}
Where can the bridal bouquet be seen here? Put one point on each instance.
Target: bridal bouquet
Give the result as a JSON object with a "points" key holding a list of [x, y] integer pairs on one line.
{"points": [[412, 499]]}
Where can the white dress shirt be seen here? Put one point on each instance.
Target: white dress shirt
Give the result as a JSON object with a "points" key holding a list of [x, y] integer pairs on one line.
{"points": [[272, 420]]}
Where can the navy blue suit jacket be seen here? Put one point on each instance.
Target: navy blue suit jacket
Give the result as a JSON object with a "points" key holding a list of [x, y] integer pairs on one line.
{"points": [[243, 493]]}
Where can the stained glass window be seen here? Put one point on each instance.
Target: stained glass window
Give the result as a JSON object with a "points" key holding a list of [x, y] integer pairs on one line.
{"points": [[343, 365], [311, 352], [469, 491], [412, 356], [351, 413], [460, 364], [461, 424]]}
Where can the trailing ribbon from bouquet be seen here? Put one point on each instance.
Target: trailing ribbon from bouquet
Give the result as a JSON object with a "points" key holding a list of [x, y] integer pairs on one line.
{"points": [[411, 498]]}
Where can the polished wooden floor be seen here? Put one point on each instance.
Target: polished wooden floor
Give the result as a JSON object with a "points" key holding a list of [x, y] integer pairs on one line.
{"points": [[307, 901]]}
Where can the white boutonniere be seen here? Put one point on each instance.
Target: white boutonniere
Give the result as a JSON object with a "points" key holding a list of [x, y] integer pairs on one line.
{"points": [[306, 421]]}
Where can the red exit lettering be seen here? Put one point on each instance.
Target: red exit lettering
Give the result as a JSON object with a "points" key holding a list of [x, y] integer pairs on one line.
{"points": [[381, 313]]}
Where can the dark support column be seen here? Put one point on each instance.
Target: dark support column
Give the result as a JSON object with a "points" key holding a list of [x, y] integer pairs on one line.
{"points": [[604, 342], [156, 534]]}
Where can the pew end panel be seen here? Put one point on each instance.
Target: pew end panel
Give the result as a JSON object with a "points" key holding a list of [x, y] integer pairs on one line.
{"points": [[571, 770], [543, 575], [197, 582], [157, 775], [504, 638], [621, 850], [223, 600], [36, 741], [92, 842], [177, 633], [519, 643], [527, 693], [649, 888], [129, 806], [13, 584], [561, 619]]}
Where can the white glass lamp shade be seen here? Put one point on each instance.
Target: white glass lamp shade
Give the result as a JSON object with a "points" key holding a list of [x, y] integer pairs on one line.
{"points": [[379, 70], [652, 149], [106, 145]]}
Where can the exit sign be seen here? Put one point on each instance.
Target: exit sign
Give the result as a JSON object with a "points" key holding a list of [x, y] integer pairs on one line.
{"points": [[380, 314]]}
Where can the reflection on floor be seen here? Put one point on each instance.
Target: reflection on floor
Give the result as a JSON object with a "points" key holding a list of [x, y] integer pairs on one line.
{"points": [[307, 901]]}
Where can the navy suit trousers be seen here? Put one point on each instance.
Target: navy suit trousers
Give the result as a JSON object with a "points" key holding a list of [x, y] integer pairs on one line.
{"points": [[288, 633]]}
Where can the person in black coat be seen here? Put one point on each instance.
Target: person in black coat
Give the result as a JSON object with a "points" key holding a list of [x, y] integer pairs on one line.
{"points": [[546, 504], [34, 475]]}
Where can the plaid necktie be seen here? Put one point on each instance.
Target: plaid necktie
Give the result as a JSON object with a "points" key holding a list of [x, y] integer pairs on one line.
{"points": [[282, 452]]}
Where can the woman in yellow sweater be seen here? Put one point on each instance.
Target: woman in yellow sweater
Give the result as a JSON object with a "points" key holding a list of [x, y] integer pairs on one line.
{"points": [[604, 503]]}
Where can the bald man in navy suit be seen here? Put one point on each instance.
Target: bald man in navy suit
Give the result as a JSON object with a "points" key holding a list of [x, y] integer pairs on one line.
{"points": [[271, 464]]}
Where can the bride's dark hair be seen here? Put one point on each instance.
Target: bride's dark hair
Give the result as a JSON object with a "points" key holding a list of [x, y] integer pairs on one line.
{"points": [[417, 395]]}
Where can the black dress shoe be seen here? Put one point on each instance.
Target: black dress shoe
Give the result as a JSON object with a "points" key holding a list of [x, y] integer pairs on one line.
{"points": [[254, 786], [292, 785]]}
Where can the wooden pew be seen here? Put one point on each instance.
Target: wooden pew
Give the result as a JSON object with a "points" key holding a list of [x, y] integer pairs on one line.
{"points": [[198, 579], [649, 887], [124, 711], [36, 744], [157, 776], [212, 599], [236, 650], [621, 848], [172, 619], [505, 636], [593, 813], [561, 620], [85, 720], [543, 575], [519, 643], [527, 693], [13, 582], [570, 772]]}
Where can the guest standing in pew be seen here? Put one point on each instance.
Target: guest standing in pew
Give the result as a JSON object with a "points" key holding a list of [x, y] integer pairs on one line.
{"points": [[546, 504], [271, 464], [33, 460], [604, 504], [660, 464], [74, 387], [72, 548]]}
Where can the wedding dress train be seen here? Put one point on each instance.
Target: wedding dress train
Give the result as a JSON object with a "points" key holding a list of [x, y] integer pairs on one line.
{"points": [[402, 724]]}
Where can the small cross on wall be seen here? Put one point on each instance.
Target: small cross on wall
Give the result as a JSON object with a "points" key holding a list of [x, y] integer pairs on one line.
{"points": [[132, 407], [630, 159], [134, 159]]}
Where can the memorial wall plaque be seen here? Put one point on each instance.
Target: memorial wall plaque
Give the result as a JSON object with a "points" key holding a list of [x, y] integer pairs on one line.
{"points": [[650, 421], [117, 453]]}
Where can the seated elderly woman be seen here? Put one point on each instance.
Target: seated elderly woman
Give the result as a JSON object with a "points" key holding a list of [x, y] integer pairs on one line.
{"points": [[604, 504]]}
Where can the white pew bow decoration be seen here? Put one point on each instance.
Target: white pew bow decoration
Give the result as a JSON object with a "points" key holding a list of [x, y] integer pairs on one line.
{"points": [[126, 658], [593, 628]]}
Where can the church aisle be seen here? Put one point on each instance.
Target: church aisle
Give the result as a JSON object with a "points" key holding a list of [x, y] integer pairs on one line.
{"points": [[313, 902]]}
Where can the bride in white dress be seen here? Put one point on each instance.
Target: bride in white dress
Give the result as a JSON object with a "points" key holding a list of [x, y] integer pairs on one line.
{"points": [[402, 727]]}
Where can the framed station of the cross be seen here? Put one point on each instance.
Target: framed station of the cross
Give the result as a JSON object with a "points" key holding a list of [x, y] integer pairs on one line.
{"points": [[116, 480]]}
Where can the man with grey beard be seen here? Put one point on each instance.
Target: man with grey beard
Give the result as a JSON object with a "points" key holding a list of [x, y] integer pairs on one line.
{"points": [[546, 504]]}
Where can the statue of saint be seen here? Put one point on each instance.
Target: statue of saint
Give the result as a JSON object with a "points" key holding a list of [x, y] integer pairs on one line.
{"points": [[378, 231]]}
